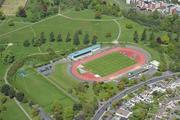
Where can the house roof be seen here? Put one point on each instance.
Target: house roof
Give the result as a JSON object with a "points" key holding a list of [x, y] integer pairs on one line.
{"points": [[84, 50], [123, 113]]}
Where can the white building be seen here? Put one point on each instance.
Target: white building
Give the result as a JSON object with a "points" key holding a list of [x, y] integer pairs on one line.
{"points": [[155, 64]]}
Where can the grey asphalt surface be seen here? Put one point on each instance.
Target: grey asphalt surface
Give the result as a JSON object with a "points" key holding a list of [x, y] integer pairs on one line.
{"points": [[120, 95]]}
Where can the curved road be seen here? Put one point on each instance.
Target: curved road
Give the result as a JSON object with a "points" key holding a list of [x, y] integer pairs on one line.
{"points": [[120, 95]]}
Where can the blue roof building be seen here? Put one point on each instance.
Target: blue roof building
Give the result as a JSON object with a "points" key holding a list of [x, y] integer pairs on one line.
{"points": [[84, 51]]}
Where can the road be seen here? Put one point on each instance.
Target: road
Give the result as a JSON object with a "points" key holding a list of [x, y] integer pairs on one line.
{"points": [[121, 94]]}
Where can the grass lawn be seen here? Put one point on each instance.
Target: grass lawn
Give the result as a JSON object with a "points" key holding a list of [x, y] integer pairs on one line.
{"points": [[62, 78], [15, 35], [85, 14], [40, 90], [109, 64], [13, 112]]}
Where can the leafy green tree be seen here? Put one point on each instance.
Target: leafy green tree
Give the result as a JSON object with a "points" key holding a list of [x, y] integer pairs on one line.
{"points": [[20, 96], [77, 107], [76, 39], [177, 37], [2, 49], [68, 37], [3, 100], [51, 37], [152, 36], [42, 38], [136, 37], [86, 39], [21, 12], [5, 89], [165, 39], [26, 43], [9, 58], [59, 38], [2, 16], [94, 40], [56, 2], [11, 93], [57, 111], [144, 36], [68, 114], [97, 15]]}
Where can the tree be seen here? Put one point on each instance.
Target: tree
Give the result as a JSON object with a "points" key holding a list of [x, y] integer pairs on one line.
{"points": [[121, 85], [144, 36], [2, 16], [3, 100], [165, 39], [68, 114], [152, 36], [57, 111], [177, 37], [9, 58], [5, 89], [56, 2], [59, 37], [51, 37], [21, 12], [76, 39], [94, 40], [86, 39], [35, 111], [42, 38], [136, 38], [97, 15], [11, 93], [68, 37], [77, 107], [2, 49], [26, 43], [20, 96]]}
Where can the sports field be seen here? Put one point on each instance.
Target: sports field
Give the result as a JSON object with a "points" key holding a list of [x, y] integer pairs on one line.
{"points": [[108, 64]]}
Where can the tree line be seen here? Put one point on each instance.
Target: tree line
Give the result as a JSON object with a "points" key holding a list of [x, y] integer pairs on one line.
{"points": [[75, 39]]}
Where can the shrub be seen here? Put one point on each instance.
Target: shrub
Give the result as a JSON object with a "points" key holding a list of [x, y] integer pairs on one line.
{"points": [[108, 34], [129, 26], [97, 15], [11, 23]]}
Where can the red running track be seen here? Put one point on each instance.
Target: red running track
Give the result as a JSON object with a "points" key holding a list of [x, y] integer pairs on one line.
{"points": [[131, 53]]}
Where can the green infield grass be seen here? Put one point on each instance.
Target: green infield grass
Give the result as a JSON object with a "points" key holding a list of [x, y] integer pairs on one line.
{"points": [[108, 64]]}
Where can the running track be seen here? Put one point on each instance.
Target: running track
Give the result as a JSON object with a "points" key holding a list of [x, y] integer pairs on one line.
{"points": [[131, 53]]}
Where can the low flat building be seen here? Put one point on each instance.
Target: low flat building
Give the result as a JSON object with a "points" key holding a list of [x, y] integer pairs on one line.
{"points": [[121, 112]]}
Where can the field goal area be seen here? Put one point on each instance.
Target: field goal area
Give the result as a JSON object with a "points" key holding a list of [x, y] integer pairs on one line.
{"points": [[10, 7], [107, 64]]}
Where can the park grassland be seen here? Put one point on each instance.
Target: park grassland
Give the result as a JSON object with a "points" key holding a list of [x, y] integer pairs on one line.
{"points": [[13, 112], [86, 14], [57, 25], [40, 90], [108, 64]]}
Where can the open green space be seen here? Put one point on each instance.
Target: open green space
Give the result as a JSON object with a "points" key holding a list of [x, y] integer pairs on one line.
{"points": [[85, 14], [108, 64], [62, 78], [13, 112], [40, 90]]}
